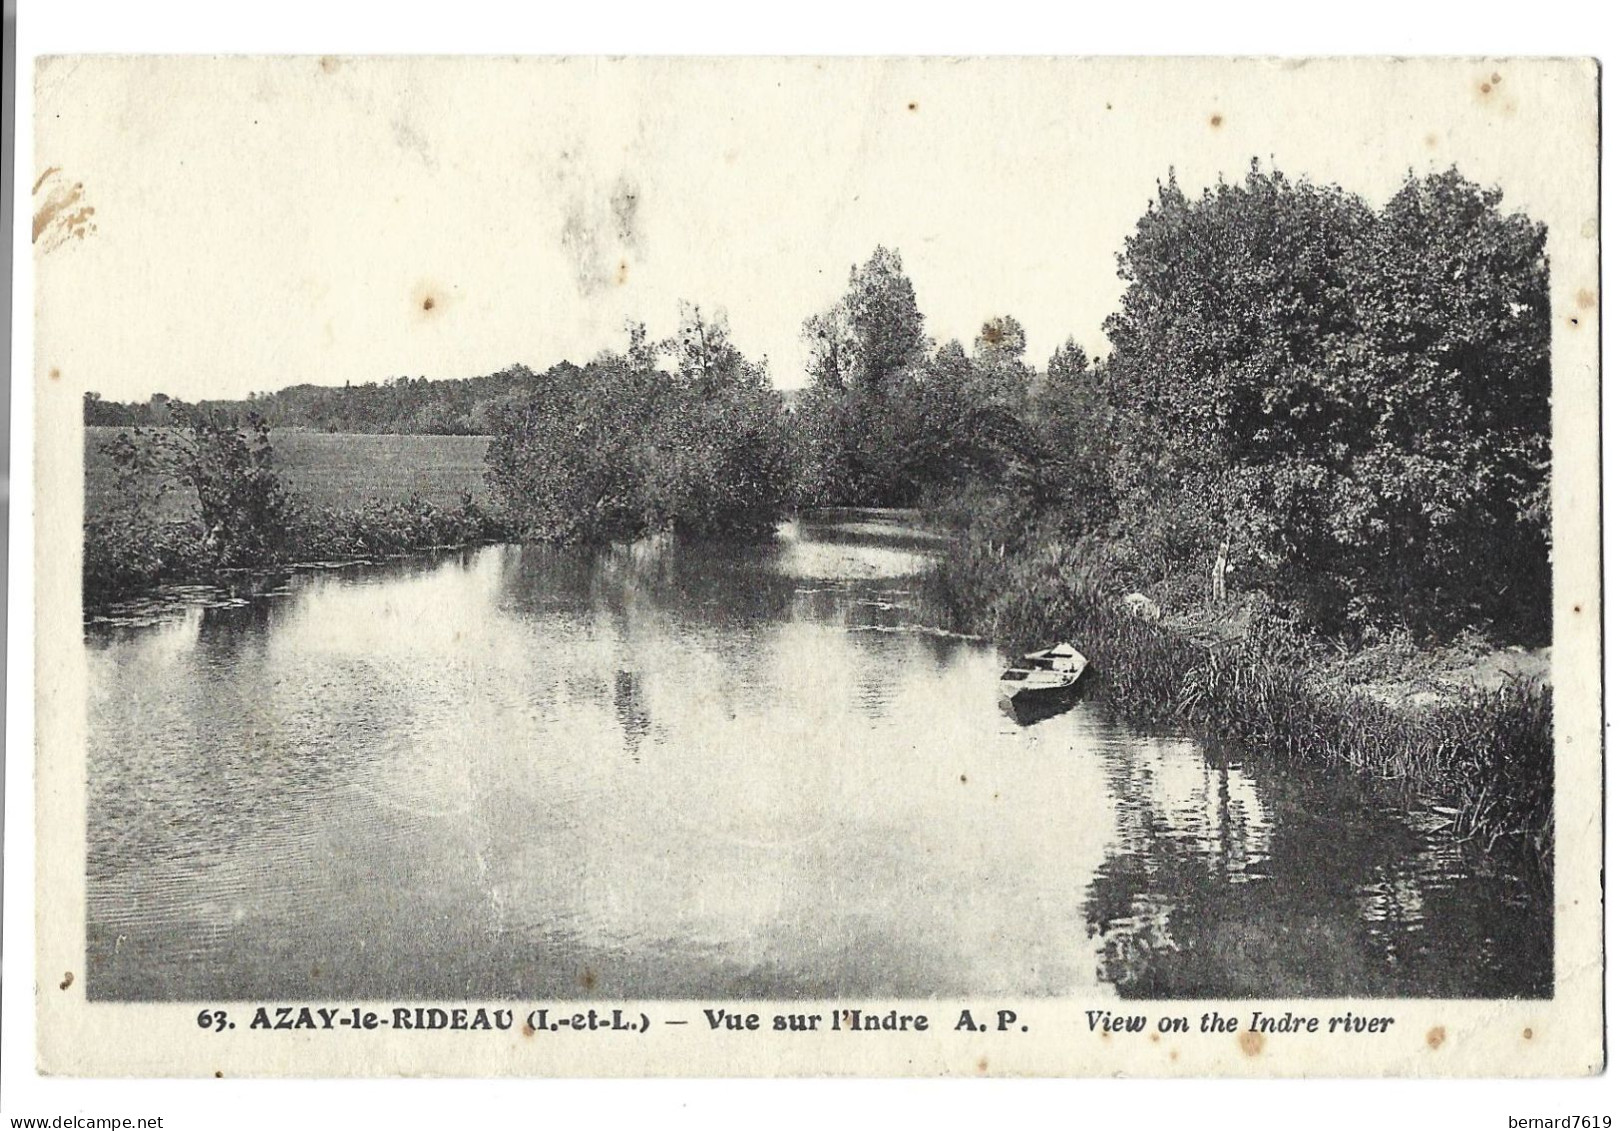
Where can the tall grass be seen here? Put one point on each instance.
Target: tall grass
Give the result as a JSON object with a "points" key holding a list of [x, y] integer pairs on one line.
{"points": [[1482, 760]]}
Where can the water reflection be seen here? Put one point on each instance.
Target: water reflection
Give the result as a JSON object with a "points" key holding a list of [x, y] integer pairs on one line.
{"points": [[678, 771], [1235, 881], [1028, 712]]}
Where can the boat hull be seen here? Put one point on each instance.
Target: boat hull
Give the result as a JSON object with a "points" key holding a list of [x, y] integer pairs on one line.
{"points": [[1025, 693]]}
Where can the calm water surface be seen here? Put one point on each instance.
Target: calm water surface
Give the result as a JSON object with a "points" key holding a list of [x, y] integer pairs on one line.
{"points": [[676, 772]]}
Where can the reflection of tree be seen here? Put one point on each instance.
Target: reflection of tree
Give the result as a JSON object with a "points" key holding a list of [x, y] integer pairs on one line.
{"points": [[231, 628], [1320, 891], [689, 584], [846, 527], [630, 708]]}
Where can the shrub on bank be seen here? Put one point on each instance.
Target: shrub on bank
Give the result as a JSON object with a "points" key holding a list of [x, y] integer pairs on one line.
{"points": [[621, 448], [123, 557], [383, 528]]}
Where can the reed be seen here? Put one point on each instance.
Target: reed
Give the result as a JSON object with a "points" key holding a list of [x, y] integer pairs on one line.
{"points": [[1482, 760]]}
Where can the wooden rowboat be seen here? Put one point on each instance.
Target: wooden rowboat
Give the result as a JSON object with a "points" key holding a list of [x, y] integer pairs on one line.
{"points": [[1049, 674]]}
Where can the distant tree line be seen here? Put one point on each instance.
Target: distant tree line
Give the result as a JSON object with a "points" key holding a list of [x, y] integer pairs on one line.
{"points": [[403, 405]]}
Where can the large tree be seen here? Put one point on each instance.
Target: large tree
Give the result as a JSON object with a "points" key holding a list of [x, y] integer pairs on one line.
{"points": [[1442, 506], [1358, 398], [1075, 436], [865, 351], [567, 461]]}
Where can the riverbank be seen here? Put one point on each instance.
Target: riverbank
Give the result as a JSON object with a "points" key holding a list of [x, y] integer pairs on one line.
{"points": [[126, 557], [1478, 753]]}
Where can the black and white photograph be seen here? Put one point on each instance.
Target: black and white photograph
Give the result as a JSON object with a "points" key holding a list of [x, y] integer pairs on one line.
{"points": [[938, 549]]}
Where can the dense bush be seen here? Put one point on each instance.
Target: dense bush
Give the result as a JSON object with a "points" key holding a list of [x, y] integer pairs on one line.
{"points": [[384, 528], [123, 556], [620, 448]]}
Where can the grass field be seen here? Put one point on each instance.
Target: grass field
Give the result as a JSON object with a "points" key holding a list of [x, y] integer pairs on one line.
{"points": [[342, 469]]}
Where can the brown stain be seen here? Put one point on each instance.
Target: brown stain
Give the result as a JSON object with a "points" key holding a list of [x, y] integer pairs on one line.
{"points": [[1527, 1034], [1108, 105], [218, 1075], [1575, 608], [429, 300], [1215, 121], [1487, 94], [60, 215], [1436, 1037], [528, 1029], [1431, 141], [330, 64], [67, 980], [588, 979], [624, 273], [983, 1065], [1251, 1043], [912, 106], [963, 778], [56, 374], [49, 170], [1175, 1055], [1154, 1037], [1586, 299], [315, 972], [992, 333]]}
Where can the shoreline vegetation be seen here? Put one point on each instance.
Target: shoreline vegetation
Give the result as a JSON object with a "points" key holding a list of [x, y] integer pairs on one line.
{"points": [[198, 499], [1476, 754], [1311, 473]]}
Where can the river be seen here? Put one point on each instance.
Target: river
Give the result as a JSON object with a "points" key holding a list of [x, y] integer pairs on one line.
{"points": [[671, 771]]}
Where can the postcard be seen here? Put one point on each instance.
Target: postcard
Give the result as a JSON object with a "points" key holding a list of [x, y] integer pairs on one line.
{"points": [[788, 567]]}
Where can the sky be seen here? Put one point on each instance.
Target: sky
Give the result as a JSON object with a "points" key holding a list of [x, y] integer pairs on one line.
{"points": [[258, 223]]}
